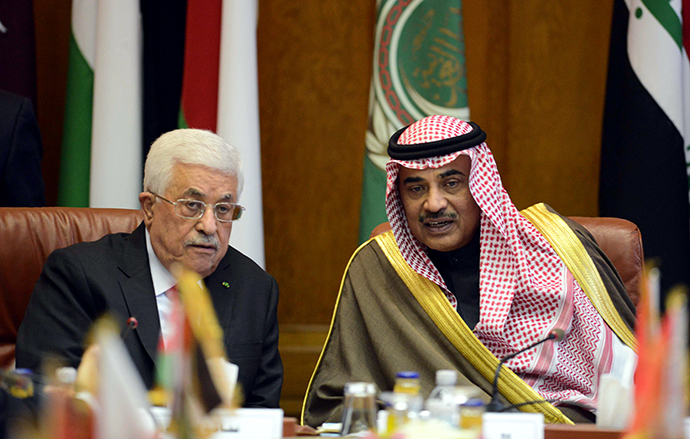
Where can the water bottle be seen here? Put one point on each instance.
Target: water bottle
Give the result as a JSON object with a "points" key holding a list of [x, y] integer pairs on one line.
{"points": [[471, 413], [407, 382], [442, 403]]}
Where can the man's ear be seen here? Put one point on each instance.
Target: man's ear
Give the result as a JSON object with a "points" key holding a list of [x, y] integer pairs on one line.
{"points": [[147, 200]]}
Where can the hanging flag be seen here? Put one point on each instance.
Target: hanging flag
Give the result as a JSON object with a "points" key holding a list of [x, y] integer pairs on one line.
{"points": [[238, 117], [73, 184], [220, 93], [199, 107], [645, 155], [102, 139], [418, 70], [18, 48], [163, 25]]}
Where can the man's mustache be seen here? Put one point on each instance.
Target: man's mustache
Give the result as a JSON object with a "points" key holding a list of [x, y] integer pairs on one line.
{"points": [[204, 240], [451, 216]]}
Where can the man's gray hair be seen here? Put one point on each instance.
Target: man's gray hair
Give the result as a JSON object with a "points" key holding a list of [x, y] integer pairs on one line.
{"points": [[193, 147]]}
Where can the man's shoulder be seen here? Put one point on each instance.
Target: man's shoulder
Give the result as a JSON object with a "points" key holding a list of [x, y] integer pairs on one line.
{"points": [[100, 249], [237, 257], [581, 231], [12, 102], [370, 256], [241, 265]]}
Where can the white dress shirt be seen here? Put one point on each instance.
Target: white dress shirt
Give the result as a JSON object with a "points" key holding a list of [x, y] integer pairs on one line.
{"points": [[162, 282]]}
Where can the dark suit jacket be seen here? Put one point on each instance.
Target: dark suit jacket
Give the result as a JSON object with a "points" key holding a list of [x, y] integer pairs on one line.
{"points": [[21, 182], [81, 282]]}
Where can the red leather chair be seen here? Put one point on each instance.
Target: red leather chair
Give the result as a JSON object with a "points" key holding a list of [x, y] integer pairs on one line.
{"points": [[27, 237], [619, 239]]}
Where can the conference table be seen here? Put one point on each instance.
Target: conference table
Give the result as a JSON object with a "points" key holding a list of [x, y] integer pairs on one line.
{"points": [[551, 431], [580, 431]]}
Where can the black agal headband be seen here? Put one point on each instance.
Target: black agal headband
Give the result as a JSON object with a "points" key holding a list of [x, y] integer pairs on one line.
{"points": [[436, 148]]}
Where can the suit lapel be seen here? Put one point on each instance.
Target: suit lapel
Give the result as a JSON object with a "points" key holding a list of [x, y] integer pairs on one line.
{"points": [[137, 289], [221, 286]]}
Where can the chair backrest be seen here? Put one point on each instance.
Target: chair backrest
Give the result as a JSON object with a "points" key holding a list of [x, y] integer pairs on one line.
{"points": [[27, 237], [619, 239]]}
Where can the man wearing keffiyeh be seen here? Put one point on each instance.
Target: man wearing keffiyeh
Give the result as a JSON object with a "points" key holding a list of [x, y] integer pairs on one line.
{"points": [[464, 279]]}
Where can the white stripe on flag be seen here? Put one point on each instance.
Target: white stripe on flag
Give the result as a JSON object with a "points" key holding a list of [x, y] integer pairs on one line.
{"points": [[238, 117], [84, 28], [116, 137]]}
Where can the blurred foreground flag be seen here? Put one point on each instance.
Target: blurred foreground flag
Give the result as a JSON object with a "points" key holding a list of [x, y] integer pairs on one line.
{"points": [[660, 378], [191, 366], [419, 69], [646, 132], [675, 393], [213, 373], [122, 396]]}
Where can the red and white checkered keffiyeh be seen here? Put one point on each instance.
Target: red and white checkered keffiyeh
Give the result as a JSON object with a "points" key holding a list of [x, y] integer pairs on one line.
{"points": [[526, 291]]}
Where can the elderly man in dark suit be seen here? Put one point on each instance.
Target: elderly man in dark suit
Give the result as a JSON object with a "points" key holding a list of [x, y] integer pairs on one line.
{"points": [[21, 182], [192, 183]]}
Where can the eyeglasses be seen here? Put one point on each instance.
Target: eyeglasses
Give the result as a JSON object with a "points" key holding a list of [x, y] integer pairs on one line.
{"points": [[195, 209]]}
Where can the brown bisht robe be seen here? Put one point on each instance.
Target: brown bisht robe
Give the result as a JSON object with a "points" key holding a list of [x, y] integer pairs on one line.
{"points": [[388, 318]]}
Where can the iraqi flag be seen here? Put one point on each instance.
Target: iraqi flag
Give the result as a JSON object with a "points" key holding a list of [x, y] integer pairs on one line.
{"points": [[646, 134], [101, 164]]}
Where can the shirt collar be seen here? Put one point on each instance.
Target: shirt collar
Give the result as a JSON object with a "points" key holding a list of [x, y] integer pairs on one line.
{"points": [[163, 280]]}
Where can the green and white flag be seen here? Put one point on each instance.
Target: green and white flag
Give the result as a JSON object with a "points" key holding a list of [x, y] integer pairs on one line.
{"points": [[102, 139], [419, 70]]}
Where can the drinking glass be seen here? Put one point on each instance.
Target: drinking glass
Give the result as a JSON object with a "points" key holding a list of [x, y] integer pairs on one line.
{"points": [[359, 409]]}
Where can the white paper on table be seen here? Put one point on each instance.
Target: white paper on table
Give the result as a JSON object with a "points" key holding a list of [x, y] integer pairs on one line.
{"points": [[513, 425], [616, 403]]}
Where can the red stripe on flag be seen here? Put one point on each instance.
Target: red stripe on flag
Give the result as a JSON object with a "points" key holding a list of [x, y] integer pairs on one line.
{"points": [[201, 64]]}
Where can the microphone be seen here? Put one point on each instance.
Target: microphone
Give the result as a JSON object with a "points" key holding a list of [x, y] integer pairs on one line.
{"points": [[496, 405], [132, 324]]}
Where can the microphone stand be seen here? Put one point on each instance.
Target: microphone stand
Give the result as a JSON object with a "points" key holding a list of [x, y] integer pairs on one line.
{"points": [[496, 405]]}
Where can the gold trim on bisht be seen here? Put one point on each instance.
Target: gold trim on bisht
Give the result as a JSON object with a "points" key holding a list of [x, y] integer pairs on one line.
{"points": [[572, 252], [435, 303]]}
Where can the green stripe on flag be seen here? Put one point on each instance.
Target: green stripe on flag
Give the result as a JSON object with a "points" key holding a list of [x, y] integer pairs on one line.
{"points": [[667, 17], [73, 184], [181, 120]]}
